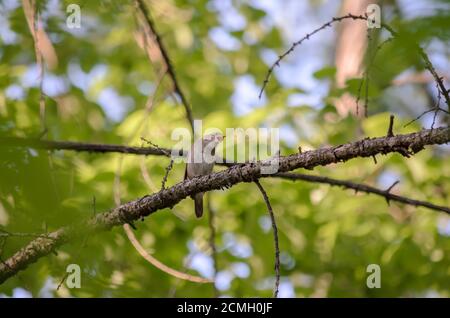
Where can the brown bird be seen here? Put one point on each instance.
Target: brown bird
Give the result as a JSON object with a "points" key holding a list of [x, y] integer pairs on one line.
{"points": [[200, 162]]}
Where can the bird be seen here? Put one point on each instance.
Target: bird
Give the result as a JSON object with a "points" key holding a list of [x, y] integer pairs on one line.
{"points": [[200, 162]]}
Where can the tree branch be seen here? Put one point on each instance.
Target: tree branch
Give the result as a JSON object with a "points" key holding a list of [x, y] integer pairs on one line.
{"points": [[161, 266], [170, 69], [212, 241], [158, 151], [275, 238], [428, 65], [360, 187], [81, 146], [140, 208]]}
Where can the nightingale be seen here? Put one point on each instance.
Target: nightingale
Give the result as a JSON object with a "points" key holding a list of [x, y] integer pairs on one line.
{"points": [[200, 162]]}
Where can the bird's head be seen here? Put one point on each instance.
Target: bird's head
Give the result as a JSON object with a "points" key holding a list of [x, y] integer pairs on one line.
{"points": [[214, 138]]}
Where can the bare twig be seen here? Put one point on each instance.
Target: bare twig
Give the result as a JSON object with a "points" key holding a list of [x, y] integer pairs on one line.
{"points": [[440, 83], [81, 146], [6, 234], [212, 241], [360, 187], [358, 94], [62, 280], [390, 132], [388, 190], [365, 80], [435, 109], [366, 93], [428, 65], [170, 69], [33, 20], [275, 238], [158, 264], [367, 73], [169, 167], [306, 37], [434, 117], [165, 151]]}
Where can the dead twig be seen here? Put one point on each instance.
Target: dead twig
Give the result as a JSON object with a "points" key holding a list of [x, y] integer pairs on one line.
{"points": [[212, 241], [360, 187], [170, 69], [275, 238], [158, 264]]}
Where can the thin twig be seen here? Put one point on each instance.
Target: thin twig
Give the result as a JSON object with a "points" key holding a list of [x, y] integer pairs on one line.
{"points": [[275, 238], [428, 65], [367, 72], [360, 187], [6, 234], [165, 151], [166, 175], [435, 110], [82, 146], [390, 132], [358, 94], [365, 78], [392, 186], [169, 167], [170, 69], [366, 94], [440, 83], [62, 281], [299, 42], [33, 19], [158, 264], [418, 117], [212, 241]]}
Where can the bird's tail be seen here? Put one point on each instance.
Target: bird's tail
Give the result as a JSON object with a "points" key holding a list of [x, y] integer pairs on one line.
{"points": [[198, 200]]}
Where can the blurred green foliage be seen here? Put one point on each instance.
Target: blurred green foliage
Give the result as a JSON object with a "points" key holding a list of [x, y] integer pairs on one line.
{"points": [[328, 236]]}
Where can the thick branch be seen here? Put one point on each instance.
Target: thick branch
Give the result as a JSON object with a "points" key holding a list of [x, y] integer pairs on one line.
{"points": [[405, 144], [158, 151]]}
